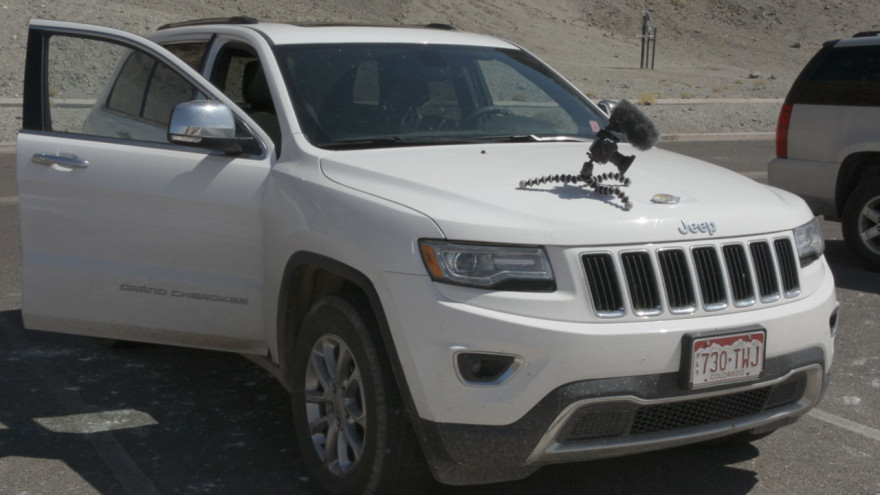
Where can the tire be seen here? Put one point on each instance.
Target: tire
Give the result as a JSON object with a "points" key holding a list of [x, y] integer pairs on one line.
{"points": [[861, 222], [351, 427]]}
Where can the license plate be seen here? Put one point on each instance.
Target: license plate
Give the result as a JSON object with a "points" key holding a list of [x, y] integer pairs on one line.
{"points": [[727, 358]]}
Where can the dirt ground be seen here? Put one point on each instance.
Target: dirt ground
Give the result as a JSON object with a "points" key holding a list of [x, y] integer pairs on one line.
{"points": [[719, 49]]}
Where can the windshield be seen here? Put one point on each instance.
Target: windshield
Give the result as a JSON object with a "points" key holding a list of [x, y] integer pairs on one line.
{"points": [[375, 95]]}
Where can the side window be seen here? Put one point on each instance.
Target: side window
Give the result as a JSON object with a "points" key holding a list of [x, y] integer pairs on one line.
{"points": [[191, 52], [238, 72], [229, 73], [103, 89]]}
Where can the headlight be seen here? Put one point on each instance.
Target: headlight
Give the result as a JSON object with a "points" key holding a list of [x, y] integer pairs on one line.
{"points": [[516, 268], [809, 241]]}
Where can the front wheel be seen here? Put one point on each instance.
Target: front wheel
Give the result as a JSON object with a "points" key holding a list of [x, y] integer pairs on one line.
{"points": [[351, 427], [861, 222]]}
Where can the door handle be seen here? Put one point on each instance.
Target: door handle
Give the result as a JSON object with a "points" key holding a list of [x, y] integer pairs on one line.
{"points": [[64, 161]]}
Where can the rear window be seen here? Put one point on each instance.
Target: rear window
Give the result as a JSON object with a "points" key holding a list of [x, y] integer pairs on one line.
{"points": [[841, 76]]}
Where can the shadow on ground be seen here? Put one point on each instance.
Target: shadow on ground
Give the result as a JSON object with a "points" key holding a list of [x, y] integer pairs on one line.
{"points": [[216, 423]]}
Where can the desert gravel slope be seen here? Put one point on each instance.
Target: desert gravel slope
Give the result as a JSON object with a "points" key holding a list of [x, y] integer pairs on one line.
{"points": [[705, 48]]}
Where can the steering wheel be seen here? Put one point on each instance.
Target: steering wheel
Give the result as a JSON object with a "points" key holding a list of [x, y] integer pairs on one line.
{"points": [[483, 114]]}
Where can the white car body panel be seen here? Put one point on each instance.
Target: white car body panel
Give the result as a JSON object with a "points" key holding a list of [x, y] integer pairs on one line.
{"points": [[549, 347], [488, 204], [147, 236]]}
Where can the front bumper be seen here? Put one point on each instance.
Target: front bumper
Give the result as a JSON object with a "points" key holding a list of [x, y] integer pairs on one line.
{"points": [[595, 419], [587, 390], [429, 331]]}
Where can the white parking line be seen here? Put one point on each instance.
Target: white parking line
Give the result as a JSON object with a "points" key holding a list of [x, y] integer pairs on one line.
{"points": [[115, 457], [865, 431], [8, 200], [97, 422]]}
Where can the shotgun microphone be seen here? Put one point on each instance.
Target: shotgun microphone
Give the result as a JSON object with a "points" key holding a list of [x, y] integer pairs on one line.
{"points": [[638, 129]]}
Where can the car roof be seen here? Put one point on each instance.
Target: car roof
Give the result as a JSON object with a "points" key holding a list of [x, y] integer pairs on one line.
{"points": [[864, 38], [286, 34]]}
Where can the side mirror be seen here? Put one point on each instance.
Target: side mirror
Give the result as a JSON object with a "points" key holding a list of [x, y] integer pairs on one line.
{"points": [[206, 124], [607, 106]]}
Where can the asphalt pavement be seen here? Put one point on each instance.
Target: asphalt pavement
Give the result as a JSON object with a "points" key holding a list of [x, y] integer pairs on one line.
{"points": [[78, 416]]}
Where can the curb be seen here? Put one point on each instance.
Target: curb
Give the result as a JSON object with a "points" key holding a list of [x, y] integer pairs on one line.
{"points": [[721, 136], [714, 101]]}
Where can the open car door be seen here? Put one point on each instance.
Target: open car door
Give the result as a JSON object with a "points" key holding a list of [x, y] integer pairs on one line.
{"points": [[130, 231]]}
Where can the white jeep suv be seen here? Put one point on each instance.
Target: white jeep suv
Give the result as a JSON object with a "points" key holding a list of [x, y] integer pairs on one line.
{"points": [[457, 264], [828, 140]]}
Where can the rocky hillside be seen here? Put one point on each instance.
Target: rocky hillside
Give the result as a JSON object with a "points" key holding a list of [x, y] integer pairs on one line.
{"points": [[705, 48]]}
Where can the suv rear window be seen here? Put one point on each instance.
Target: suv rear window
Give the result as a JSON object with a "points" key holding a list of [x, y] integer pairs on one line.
{"points": [[841, 76]]}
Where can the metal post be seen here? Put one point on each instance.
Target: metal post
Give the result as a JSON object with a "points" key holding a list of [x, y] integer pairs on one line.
{"points": [[653, 46], [644, 37], [649, 41]]}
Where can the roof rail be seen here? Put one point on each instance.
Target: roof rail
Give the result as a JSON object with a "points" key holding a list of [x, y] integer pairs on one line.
{"points": [[433, 25], [213, 20], [440, 25], [866, 34]]}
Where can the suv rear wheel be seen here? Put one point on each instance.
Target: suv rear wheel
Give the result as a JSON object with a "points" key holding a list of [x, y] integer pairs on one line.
{"points": [[861, 222], [351, 427]]}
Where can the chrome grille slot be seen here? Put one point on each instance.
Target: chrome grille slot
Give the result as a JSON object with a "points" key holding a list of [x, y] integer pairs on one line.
{"points": [[604, 285], [768, 286], [739, 274], [642, 284], [788, 267], [677, 280], [711, 279]]}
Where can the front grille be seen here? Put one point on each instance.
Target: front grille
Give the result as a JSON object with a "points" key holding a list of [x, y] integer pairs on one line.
{"points": [[788, 267], [677, 281], [617, 419], [766, 271], [642, 285], [680, 279], [604, 285], [739, 274], [711, 280], [698, 412]]}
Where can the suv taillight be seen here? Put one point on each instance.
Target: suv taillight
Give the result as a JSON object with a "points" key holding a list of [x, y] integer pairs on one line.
{"points": [[782, 131]]}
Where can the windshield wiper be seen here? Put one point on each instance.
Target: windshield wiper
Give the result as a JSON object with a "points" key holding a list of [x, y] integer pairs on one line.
{"points": [[398, 141], [376, 142], [560, 139], [527, 138]]}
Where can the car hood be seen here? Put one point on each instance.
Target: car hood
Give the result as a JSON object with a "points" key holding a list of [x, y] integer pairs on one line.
{"points": [[472, 193]]}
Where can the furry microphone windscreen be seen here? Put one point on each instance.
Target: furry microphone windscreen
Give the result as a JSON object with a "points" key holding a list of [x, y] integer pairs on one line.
{"points": [[628, 120]]}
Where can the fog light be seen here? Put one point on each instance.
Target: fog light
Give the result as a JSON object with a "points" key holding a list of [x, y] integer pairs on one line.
{"points": [[481, 368]]}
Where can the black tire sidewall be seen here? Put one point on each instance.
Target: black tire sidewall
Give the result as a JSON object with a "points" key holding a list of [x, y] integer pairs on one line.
{"points": [[338, 316], [861, 195]]}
